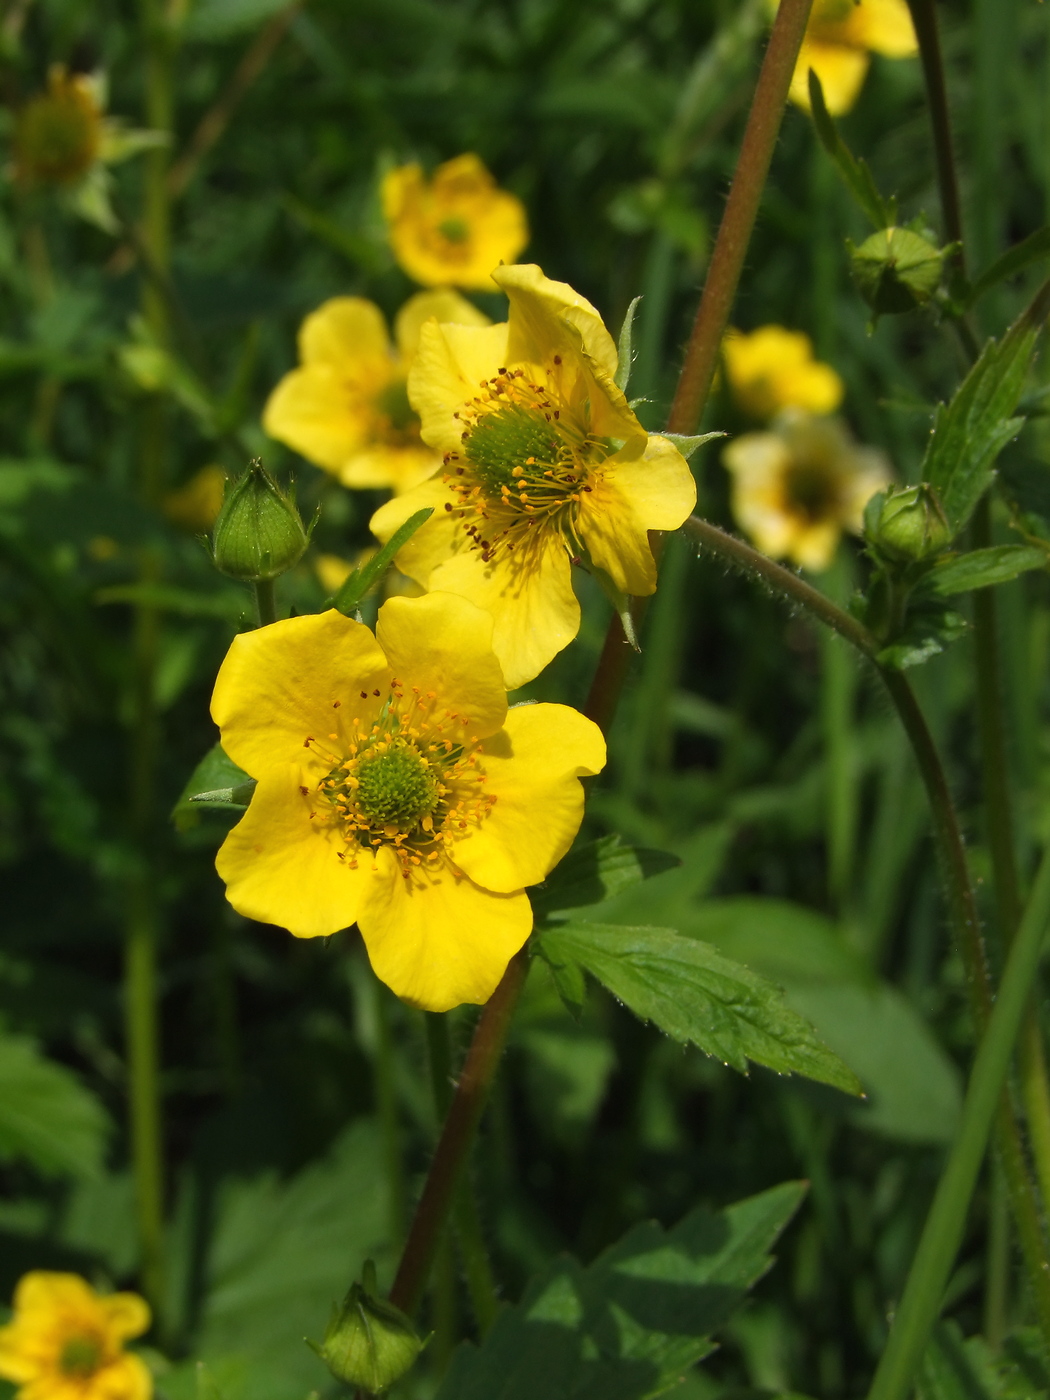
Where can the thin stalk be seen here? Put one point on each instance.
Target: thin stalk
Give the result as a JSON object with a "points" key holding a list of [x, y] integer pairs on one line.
{"points": [[943, 1231], [997, 1269], [720, 285], [924, 17], [457, 1136], [265, 602]]}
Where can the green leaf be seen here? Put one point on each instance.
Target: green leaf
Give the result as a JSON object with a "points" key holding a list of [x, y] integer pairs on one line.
{"points": [[47, 1117], [369, 574], [636, 1320], [216, 773], [625, 357], [697, 996], [785, 942], [930, 627], [971, 431], [983, 568], [854, 172], [597, 871], [1014, 260], [951, 1372]]}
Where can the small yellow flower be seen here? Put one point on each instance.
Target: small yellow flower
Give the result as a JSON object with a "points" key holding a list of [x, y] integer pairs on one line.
{"points": [[346, 407], [397, 791], [772, 369], [62, 137], [797, 487], [66, 1342], [840, 38], [452, 230], [544, 463], [197, 503]]}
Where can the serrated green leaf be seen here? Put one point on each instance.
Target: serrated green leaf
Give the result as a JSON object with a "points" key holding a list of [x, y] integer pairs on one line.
{"points": [[369, 574], [971, 431], [216, 772], [633, 1323], [983, 568], [597, 871], [697, 996], [47, 1117]]}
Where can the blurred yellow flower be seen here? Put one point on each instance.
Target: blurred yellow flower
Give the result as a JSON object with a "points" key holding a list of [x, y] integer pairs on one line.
{"points": [[196, 504], [66, 1342], [798, 486], [346, 407], [62, 137], [840, 38], [397, 791], [545, 464], [772, 369], [452, 230]]}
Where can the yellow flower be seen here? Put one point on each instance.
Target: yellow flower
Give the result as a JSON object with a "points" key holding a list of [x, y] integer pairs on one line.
{"points": [[196, 504], [346, 408], [544, 463], [773, 368], [797, 487], [63, 138], [396, 790], [840, 37], [66, 1342], [453, 230]]}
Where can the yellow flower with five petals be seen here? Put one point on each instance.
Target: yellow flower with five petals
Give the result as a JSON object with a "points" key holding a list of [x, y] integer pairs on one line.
{"points": [[453, 229], [771, 369], [66, 1342], [840, 38], [798, 486], [544, 463], [346, 407], [396, 790]]}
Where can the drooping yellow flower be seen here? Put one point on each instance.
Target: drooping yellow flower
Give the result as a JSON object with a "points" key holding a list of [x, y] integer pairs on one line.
{"points": [[840, 38], [63, 138], [452, 230], [772, 369], [396, 790], [346, 407], [66, 1342], [797, 487], [544, 463]]}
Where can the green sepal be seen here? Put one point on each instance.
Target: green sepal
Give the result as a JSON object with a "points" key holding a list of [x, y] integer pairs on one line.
{"points": [[687, 445], [625, 356], [239, 796], [368, 575], [855, 173]]}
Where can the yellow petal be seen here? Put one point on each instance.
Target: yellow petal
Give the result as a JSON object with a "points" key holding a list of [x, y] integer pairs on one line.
{"points": [[398, 189], [540, 308], [282, 861], [279, 684], [128, 1315], [814, 546], [437, 939], [653, 490], [313, 411], [45, 1292], [344, 331], [127, 1378], [443, 643], [885, 26], [529, 594], [814, 387], [841, 71], [397, 468], [533, 765], [444, 305], [447, 373]]}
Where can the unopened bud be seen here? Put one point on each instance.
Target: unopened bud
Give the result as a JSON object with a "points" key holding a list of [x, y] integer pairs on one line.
{"points": [[908, 523], [368, 1343], [896, 269], [258, 534], [58, 133]]}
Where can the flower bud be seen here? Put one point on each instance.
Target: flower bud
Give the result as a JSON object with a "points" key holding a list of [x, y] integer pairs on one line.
{"points": [[258, 534], [368, 1342], [896, 269], [58, 133], [908, 523]]}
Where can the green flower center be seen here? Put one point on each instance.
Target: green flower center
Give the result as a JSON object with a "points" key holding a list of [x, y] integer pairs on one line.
{"points": [[454, 230], [80, 1356], [398, 788], [506, 442], [812, 489], [393, 405]]}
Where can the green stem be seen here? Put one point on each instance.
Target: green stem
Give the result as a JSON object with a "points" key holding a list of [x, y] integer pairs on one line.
{"points": [[997, 1269], [457, 1136], [924, 17], [943, 1231], [265, 602]]}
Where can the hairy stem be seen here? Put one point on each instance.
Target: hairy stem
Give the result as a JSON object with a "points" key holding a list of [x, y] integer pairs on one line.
{"points": [[924, 17], [265, 602]]}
